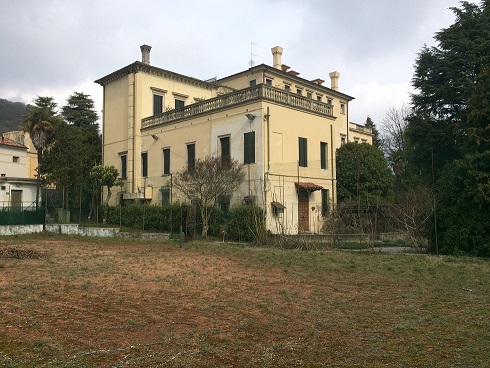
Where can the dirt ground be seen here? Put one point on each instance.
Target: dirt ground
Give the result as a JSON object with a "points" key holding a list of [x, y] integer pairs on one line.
{"points": [[78, 302]]}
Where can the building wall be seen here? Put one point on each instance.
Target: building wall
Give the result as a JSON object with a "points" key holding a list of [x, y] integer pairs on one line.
{"points": [[24, 138], [275, 172], [13, 161]]}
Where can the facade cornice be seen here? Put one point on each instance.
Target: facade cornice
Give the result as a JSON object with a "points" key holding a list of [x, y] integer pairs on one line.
{"points": [[138, 66], [293, 78]]}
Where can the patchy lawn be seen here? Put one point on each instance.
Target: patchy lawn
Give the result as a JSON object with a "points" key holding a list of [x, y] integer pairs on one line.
{"points": [[85, 302]]}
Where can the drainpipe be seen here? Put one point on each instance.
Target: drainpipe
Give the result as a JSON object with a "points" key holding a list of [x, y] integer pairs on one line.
{"points": [[347, 107], [134, 132], [333, 168], [268, 141]]}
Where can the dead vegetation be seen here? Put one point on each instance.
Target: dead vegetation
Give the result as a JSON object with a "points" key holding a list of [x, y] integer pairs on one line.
{"points": [[128, 303]]}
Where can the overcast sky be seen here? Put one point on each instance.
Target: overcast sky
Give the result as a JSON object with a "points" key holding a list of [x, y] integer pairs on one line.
{"points": [[57, 47]]}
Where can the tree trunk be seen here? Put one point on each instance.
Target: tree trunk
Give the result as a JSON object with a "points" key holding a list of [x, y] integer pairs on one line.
{"points": [[204, 217], [106, 204]]}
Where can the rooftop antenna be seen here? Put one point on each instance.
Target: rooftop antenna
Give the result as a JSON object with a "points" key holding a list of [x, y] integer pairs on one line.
{"points": [[252, 62]]}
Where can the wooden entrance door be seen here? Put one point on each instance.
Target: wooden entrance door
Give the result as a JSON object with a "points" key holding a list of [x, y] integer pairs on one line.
{"points": [[303, 210]]}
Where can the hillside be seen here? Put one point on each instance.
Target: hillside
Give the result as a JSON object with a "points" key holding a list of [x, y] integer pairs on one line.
{"points": [[11, 115]]}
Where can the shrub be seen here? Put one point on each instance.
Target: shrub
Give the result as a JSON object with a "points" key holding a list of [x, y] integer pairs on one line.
{"points": [[246, 223]]}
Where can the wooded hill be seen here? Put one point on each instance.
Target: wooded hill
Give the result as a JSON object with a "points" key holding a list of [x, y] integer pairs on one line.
{"points": [[11, 115]]}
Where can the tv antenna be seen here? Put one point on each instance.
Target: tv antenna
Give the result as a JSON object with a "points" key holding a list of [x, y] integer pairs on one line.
{"points": [[252, 62]]}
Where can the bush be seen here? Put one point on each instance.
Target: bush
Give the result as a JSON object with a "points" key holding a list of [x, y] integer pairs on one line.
{"points": [[166, 218], [246, 223], [151, 218]]}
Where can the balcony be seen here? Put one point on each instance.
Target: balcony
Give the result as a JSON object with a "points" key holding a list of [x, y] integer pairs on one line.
{"points": [[243, 96], [353, 127]]}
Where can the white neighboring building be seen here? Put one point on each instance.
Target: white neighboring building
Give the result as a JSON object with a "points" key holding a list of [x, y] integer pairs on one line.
{"points": [[16, 189]]}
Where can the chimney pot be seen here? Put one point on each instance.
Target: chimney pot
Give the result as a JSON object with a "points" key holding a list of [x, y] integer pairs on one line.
{"points": [[276, 57], [334, 80], [145, 54]]}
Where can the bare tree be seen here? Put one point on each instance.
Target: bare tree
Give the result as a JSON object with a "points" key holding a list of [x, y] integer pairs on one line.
{"points": [[393, 139], [413, 210], [207, 181]]}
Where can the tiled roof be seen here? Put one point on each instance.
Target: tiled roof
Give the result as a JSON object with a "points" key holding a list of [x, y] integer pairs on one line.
{"points": [[310, 187], [10, 142]]}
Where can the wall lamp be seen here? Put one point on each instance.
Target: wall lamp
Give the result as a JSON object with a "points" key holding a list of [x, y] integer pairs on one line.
{"points": [[154, 137], [250, 117]]}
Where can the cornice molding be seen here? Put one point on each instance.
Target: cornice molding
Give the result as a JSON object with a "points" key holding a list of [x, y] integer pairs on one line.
{"points": [[138, 67]]}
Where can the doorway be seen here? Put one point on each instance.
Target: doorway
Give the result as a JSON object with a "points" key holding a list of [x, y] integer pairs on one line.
{"points": [[303, 210]]}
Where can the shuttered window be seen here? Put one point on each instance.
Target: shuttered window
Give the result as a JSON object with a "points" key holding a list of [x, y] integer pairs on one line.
{"points": [[324, 155], [225, 150], [166, 161], [157, 104], [191, 157], [249, 148], [144, 164], [303, 152], [325, 202]]}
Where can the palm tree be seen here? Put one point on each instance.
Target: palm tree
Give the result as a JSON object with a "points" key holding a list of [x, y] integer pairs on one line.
{"points": [[40, 124]]}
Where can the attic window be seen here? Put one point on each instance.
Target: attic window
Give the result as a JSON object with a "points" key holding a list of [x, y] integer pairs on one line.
{"points": [[15, 159]]}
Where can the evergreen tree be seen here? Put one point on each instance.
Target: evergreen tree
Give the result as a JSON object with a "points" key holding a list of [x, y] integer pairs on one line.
{"points": [[80, 110], [362, 173], [448, 132], [76, 147], [376, 139], [445, 79]]}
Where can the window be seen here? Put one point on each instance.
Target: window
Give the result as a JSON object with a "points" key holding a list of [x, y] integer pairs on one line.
{"points": [[123, 166], [324, 155], [249, 148], [325, 202], [299, 92], [15, 159], [342, 108], [191, 156], [144, 164], [224, 203], [164, 196], [225, 150], [342, 140], [303, 152], [329, 101], [287, 87], [253, 83], [268, 82], [166, 161], [319, 98], [179, 104], [309, 94], [157, 104]]}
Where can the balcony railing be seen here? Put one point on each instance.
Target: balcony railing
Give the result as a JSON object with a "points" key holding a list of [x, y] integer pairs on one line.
{"points": [[260, 91], [360, 128]]}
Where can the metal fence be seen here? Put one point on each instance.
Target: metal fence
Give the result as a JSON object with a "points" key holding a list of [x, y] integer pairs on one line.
{"points": [[22, 214]]}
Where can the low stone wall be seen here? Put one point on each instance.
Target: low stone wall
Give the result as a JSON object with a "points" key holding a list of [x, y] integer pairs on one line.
{"points": [[74, 229], [20, 229]]}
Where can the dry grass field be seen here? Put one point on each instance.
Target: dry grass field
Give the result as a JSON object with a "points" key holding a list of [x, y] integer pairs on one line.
{"points": [[85, 302]]}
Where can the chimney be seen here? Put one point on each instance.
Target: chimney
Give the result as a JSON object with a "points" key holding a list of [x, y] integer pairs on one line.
{"points": [[145, 54], [334, 80], [276, 57]]}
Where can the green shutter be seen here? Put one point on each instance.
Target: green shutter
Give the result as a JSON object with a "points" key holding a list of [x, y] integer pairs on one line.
{"points": [[323, 155], [157, 104], [325, 202], [303, 152], [249, 148], [166, 161]]}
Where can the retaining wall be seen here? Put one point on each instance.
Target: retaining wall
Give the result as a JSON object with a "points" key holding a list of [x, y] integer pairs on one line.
{"points": [[74, 229]]}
